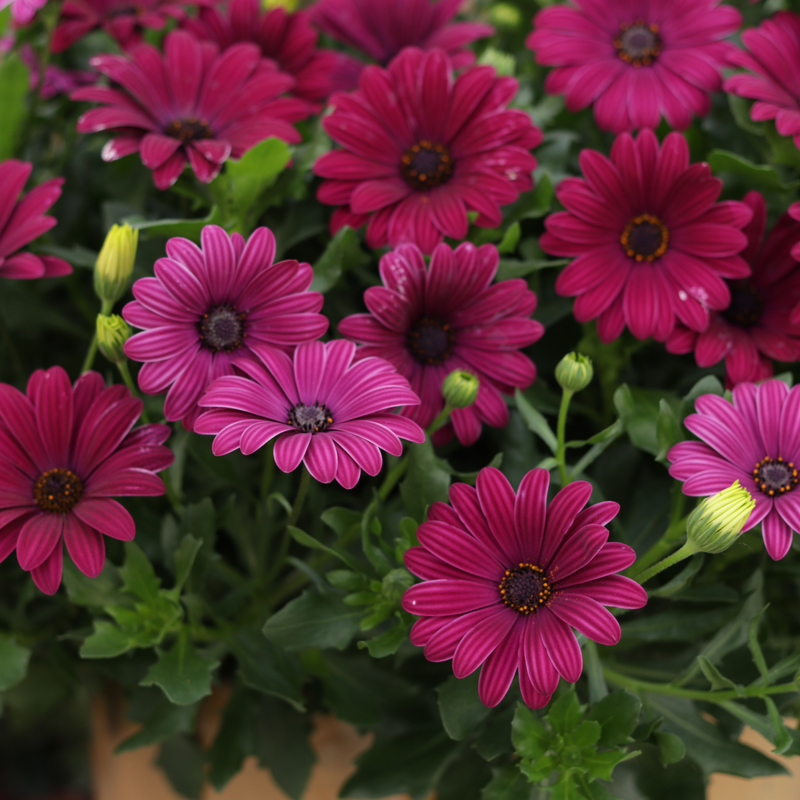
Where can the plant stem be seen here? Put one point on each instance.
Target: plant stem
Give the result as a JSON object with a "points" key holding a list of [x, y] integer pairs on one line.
{"points": [[441, 419], [561, 450], [300, 497], [105, 310], [687, 550], [128, 378], [594, 672], [673, 534], [392, 478], [694, 694], [294, 515]]}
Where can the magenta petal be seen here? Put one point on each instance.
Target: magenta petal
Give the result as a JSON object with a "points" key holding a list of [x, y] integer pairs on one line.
{"points": [[290, 449], [539, 666], [106, 516], [442, 644], [561, 513], [612, 557], [37, 539], [530, 696], [561, 645], [478, 643], [320, 458], [54, 414], [612, 590], [84, 545], [499, 669], [47, 576], [497, 501], [530, 512], [425, 565], [777, 535], [443, 597], [587, 616], [456, 547]]}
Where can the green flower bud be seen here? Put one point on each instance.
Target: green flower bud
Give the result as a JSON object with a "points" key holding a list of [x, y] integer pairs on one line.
{"points": [[504, 63], [114, 265], [460, 388], [574, 372], [112, 333], [717, 522], [504, 15]]}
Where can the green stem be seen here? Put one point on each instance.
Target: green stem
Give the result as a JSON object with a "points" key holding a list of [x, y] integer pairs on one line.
{"points": [[636, 685], [91, 353], [129, 382], [561, 450], [687, 550], [300, 497], [594, 672], [674, 533], [441, 419], [392, 478], [268, 473], [294, 515]]}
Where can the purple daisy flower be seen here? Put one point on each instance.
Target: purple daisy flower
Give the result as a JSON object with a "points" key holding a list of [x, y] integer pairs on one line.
{"points": [[207, 304], [321, 408], [507, 578], [755, 440], [428, 321], [65, 452], [191, 103]]}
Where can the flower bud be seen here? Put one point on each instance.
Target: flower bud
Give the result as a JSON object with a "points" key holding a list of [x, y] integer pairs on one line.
{"points": [[112, 333], [503, 63], [460, 388], [504, 15], [574, 372], [114, 265], [717, 522]]}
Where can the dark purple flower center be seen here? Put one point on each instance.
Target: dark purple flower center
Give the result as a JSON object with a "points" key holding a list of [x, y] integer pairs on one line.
{"points": [[189, 130], [746, 304], [222, 328], [645, 238], [430, 341], [775, 476], [426, 164], [524, 588], [310, 419], [58, 490], [638, 43]]}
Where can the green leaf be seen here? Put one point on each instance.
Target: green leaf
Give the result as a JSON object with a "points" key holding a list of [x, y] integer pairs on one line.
{"points": [[586, 734], [755, 647], [740, 108], [313, 620], [235, 741], [781, 737], [535, 204], [265, 667], [341, 520], [386, 644], [758, 176], [601, 765], [529, 735], [94, 592], [163, 720], [507, 783], [464, 778], [182, 673], [460, 706], [138, 574], [107, 641], [639, 410], [342, 254], [676, 625], [668, 430], [185, 557], [187, 228], [681, 580], [495, 738], [510, 240], [13, 662], [255, 172], [512, 268], [783, 147], [710, 384], [671, 747], [14, 83], [618, 714], [535, 421], [301, 537], [182, 760], [565, 713], [425, 481], [714, 676]]}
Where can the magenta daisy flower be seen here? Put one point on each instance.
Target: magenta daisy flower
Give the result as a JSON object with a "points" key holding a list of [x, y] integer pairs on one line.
{"points": [[651, 244], [428, 321], [506, 578], [422, 148], [23, 219], [65, 453], [124, 20], [773, 50], [321, 408], [381, 30], [756, 327], [755, 440], [635, 61], [205, 306], [288, 39], [192, 104]]}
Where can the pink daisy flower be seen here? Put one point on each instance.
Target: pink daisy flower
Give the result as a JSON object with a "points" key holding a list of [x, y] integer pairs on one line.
{"points": [[506, 578], [121, 19], [756, 326], [320, 407], [288, 39], [65, 452], [755, 440], [651, 244], [56, 80], [23, 11], [192, 104], [206, 305], [428, 321], [772, 79], [635, 61], [380, 30], [422, 148], [23, 219]]}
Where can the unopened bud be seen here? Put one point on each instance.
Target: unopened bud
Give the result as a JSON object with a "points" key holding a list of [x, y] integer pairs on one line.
{"points": [[112, 271], [504, 15], [717, 522], [289, 5], [460, 388], [503, 63], [112, 333], [574, 372]]}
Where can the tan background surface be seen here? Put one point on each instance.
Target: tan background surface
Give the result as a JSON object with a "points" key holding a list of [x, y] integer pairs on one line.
{"points": [[134, 776]]}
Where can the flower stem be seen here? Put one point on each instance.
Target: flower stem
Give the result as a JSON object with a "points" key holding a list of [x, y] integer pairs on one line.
{"points": [[673, 534], [88, 362], [561, 450], [294, 515], [441, 419], [687, 550], [129, 382], [392, 478], [636, 685]]}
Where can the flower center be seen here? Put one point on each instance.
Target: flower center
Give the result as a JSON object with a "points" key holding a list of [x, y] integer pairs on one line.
{"points": [[426, 164], [431, 341], [638, 43], [310, 419], [58, 490], [645, 238], [189, 130], [524, 588], [222, 328], [746, 304], [775, 476]]}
